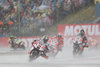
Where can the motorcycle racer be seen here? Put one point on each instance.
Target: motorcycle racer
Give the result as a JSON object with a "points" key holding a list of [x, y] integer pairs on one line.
{"points": [[12, 40], [60, 39], [35, 45], [79, 42], [45, 41], [39, 48], [83, 36]]}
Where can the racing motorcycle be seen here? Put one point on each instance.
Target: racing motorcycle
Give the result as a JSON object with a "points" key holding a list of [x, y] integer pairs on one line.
{"points": [[34, 54], [78, 46], [20, 45], [54, 49], [15, 44], [37, 52], [59, 46]]}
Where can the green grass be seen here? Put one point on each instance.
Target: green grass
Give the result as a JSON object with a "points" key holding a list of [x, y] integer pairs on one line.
{"points": [[84, 15], [51, 31]]}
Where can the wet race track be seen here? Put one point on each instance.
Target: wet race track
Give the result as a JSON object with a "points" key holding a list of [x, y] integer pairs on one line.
{"points": [[20, 58]]}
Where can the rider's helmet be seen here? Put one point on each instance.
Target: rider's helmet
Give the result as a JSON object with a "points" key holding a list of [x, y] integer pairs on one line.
{"points": [[44, 37], [59, 35], [34, 41], [82, 32], [11, 36]]}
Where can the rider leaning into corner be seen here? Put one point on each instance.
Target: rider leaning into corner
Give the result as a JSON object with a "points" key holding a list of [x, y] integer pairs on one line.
{"points": [[45, 39], [12, 39], [60, 39], [44, 42], [83, 36], [35, 44], [39, 45], [18, 41]]}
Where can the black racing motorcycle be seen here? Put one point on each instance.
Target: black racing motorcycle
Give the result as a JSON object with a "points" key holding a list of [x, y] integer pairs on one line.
{"points": [[78, 46]]}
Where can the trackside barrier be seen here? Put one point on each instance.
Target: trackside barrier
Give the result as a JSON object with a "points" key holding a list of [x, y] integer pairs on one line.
{"points": [[4, 42], [71, 30]]}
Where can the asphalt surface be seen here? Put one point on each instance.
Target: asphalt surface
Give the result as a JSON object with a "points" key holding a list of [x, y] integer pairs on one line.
{"points": [[20, 58]]}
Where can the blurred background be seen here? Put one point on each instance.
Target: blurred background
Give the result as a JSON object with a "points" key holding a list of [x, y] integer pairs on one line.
{"points": [[39, 17]]}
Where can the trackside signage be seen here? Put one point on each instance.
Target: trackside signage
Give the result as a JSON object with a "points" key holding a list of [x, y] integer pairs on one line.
{"points": [[69, 31], [4, 42], [28, 40]]}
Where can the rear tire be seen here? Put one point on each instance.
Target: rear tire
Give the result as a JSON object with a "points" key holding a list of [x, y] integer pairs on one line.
{"points": [[34, 55]]}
